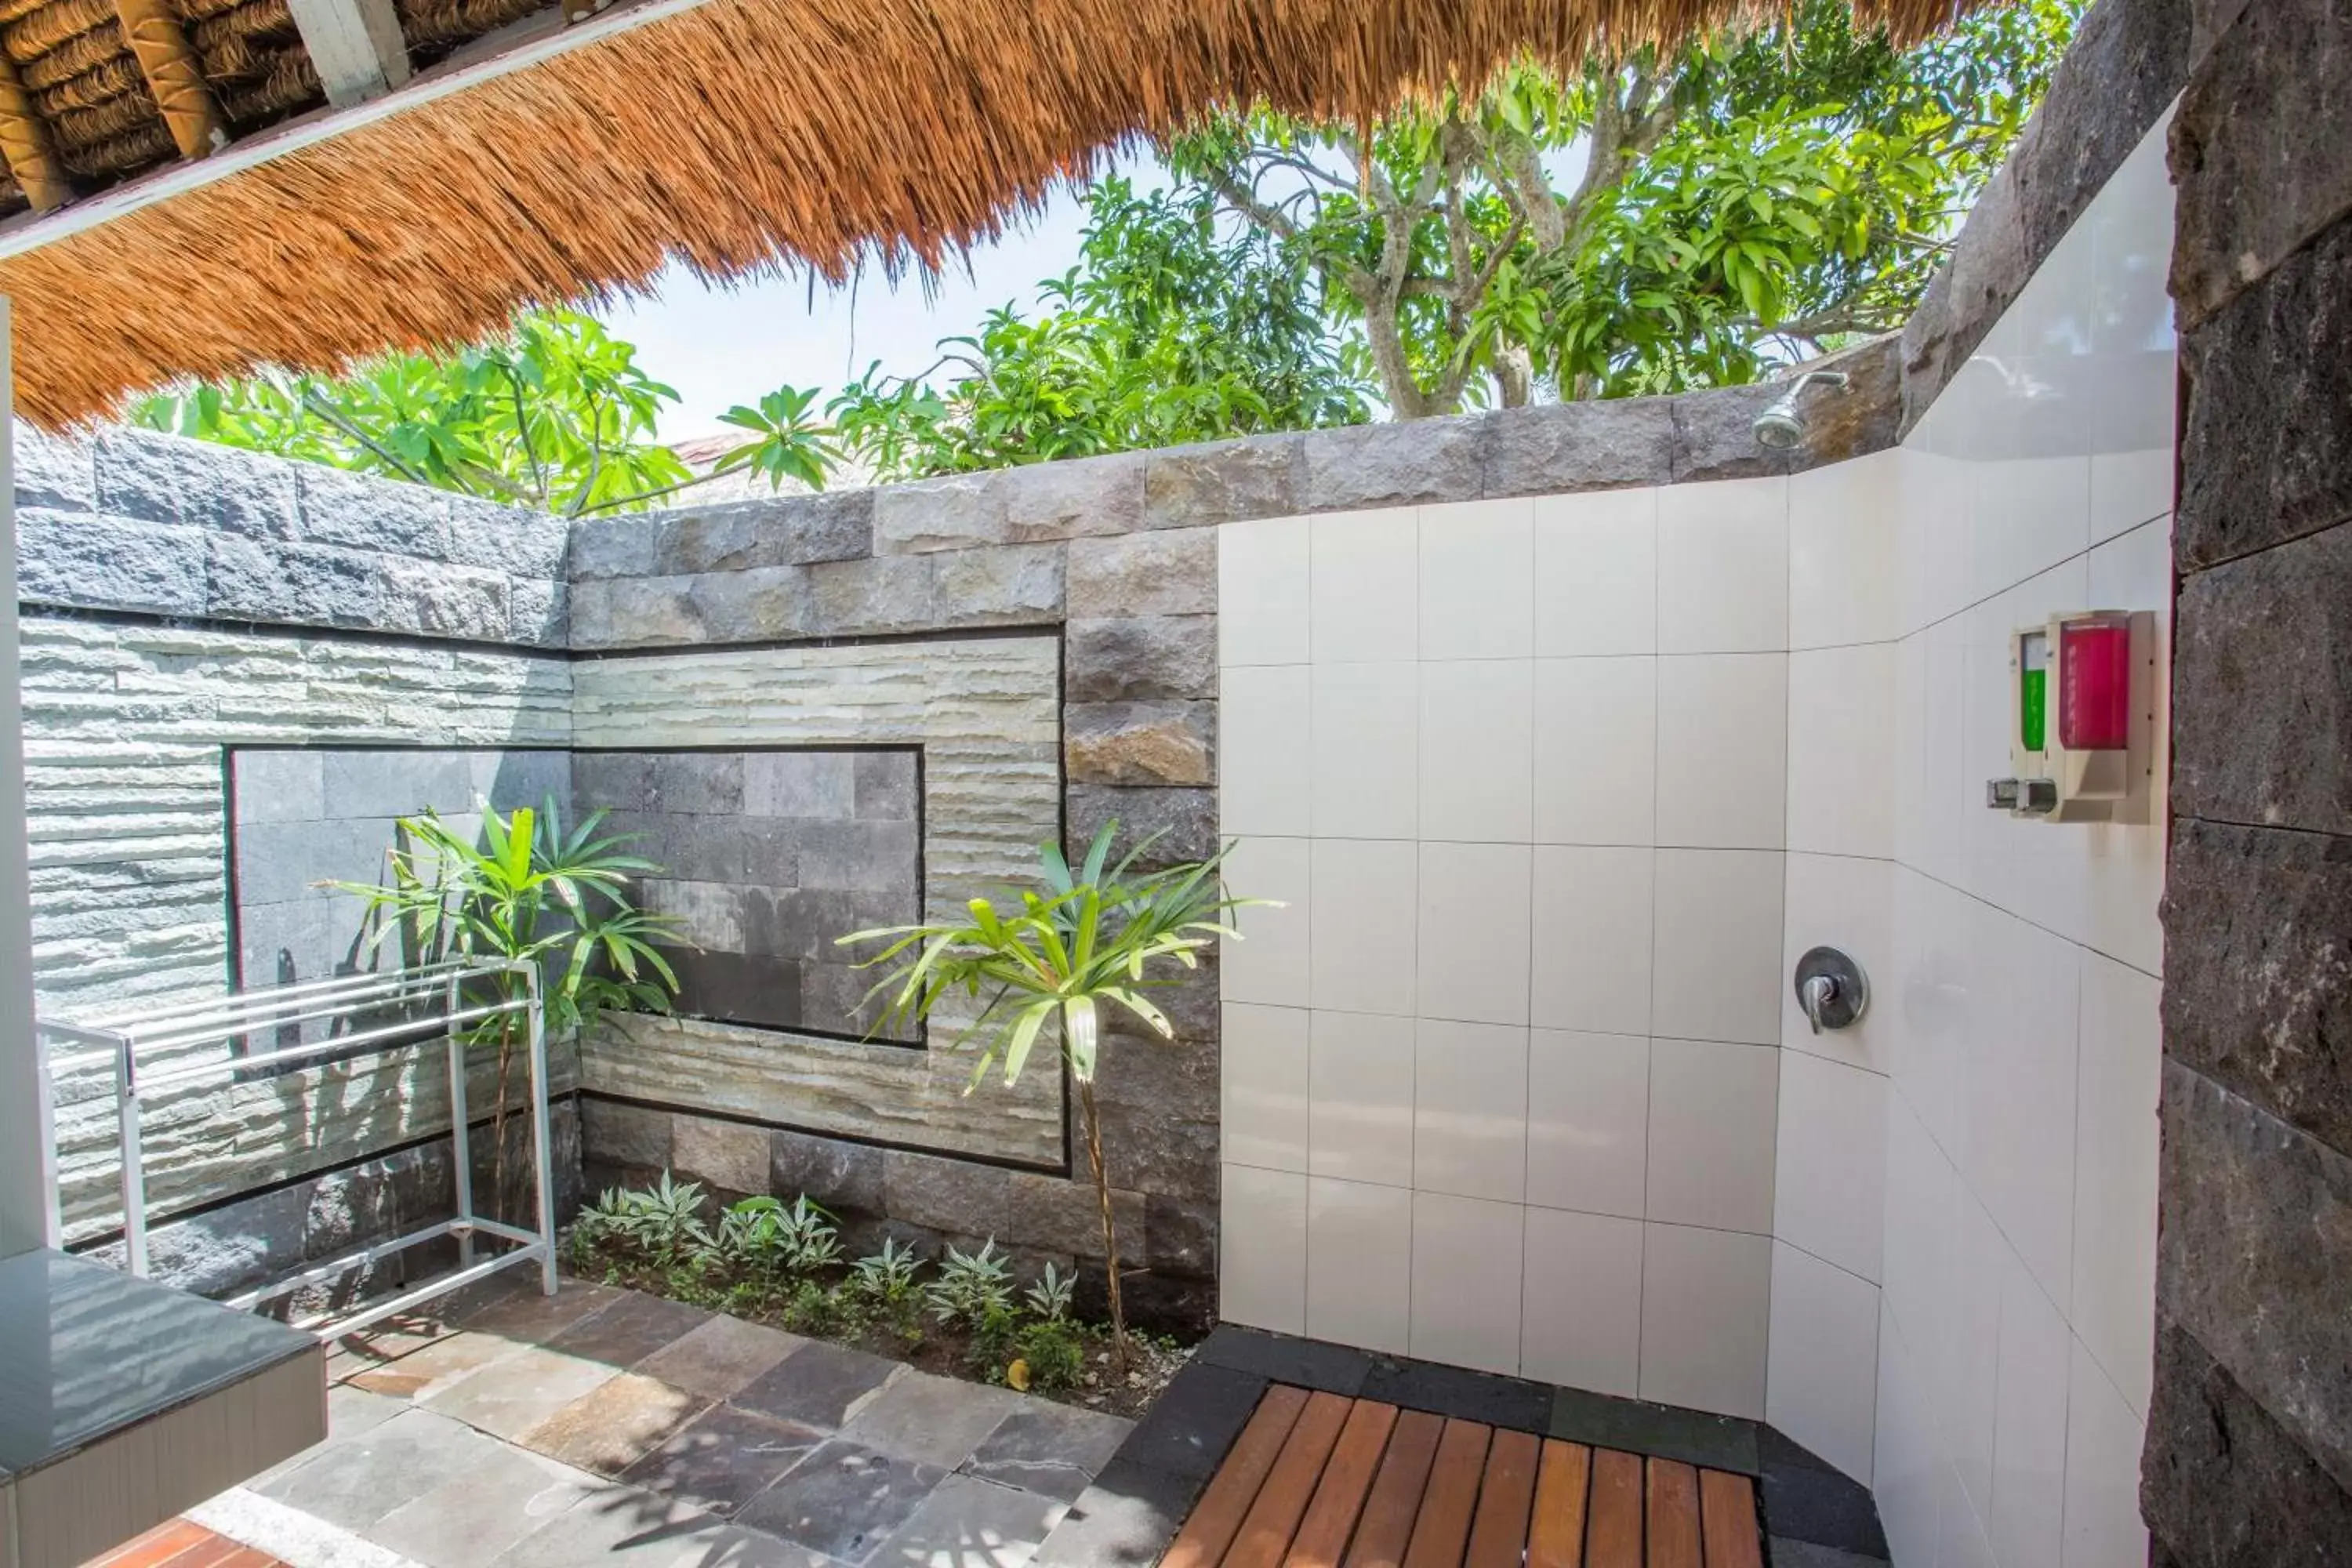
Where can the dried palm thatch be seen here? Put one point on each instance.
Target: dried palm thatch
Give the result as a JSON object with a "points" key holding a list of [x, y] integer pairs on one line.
{"points": [[737, 135]]}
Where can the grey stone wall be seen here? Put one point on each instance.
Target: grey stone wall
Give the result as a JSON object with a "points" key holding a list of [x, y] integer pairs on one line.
{"points": [[2249, 1455]]}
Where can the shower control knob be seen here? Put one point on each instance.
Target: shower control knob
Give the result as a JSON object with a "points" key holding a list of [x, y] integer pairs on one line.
{"points": [[1832, 989]]}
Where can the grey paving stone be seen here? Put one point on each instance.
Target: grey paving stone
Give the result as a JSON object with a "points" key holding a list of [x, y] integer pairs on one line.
{"points": [[1124, 1521], [823, 1385], [499, 1498], [612, 1426], [968, 1523], [725, 1459], [356, 1482], [432, 1369], [635, 1327], [1054, 1449], [618, 1527], [844, 1500], [722, 1357], [936, 1420], [518, 1312], [351, 1411], [511, 1396]]}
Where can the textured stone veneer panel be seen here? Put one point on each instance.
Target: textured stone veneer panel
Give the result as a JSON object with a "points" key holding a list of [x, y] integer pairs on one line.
{"points": [[985, 712]]}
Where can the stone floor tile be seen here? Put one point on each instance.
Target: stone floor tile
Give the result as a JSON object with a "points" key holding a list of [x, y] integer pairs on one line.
{"points": [[1055, 1450], [968, 1523], [844, 1500], [722, 1357], [436, 1367], [936, 1420], [520, 1312], [630, 1330], [356, 1481], [1127, 1517], [724, 1460], [466, 1520], [614, 1527], [615, 1425], [386, 1342], [509, 1397], [351, 1411], [823, 1385]]}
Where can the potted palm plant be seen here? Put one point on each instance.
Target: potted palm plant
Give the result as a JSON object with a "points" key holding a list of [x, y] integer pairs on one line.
{"points": [[1077, 945]]}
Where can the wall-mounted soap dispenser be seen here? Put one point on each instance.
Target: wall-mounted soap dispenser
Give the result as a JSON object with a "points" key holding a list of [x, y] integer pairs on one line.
{"points": [[2082, 715]]}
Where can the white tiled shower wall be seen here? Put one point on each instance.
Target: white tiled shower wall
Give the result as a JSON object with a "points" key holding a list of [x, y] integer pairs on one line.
{"points": [[1556, 791]]}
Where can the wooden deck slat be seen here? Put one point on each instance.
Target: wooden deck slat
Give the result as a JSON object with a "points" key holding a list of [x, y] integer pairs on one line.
{"points": [[1556, 1533], [159, 1545], [1444, 1527], [1330, 1519], [1282, 1502], [1673, 1515], [1727, 1521], [1217, 1518], [1499, 1533], [1396, 1492], [1613, 1531]]}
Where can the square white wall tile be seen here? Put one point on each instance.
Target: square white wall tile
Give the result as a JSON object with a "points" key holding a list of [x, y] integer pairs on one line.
{"points": [[1475, 917], [1716, 960], [1261, 1250], [1907, 1462], [1265, 1062], [1829, 1186], [1596, 572], [1476, 765], [1358, 1264], [1477, 580], [1845, 533], [2026, 1521], [1466, 1281], [1591, 939], [1596, 750], [2021, 1086], [1262, 594], [1713, 1115], [1360, 1098], [1706, 1315], [1847, 904], [1364, 925], [1962, 1347], [1823, 1388], [2025, 515], [1364, 590], [1723, 751], [2112, 1307], [2104, 1439], [1365, 756], [1581, 1322], [1470, 1110], [1588, 1122], [1841, 750], [1263, 726], [1270, 963], [1723, 567]]}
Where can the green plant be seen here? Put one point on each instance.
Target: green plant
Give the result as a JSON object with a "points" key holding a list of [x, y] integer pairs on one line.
{"points": [[1055, 1354], [662, 1223], [1077, 942], [993, 1341], [1049, 1297], [762, 1233], [970, 1286], [811, 1310], [888, 1277]]}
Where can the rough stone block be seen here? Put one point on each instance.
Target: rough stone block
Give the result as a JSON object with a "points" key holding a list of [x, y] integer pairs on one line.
{"points": [[1185, 818], [2255, 1242], [365, 513], [2263, 688], [1073, 499], [251, 579], [952, 513], [444, 601], [2269, 451], [771, 530], [521, 541], [242, 492], [1715, 433], [1224, 481], [55, 473], [1928, 363], [728, 1155], [1149, 1152], [2221, 1483], [1559, 447], [2258, 991], [1140, 742], [1865, 418], [1004, 585], [636, 612], [884, 593], [626, 1134], [539, 613], [145, 477], [1170, 572], [1142, 659], [2127, 61], [885, 786], [2257, 149], [2209, 22], [954, 1195], [1396, 464], [613, 547], [1057, 1215], [1180, 1235], [755, 604], [1145, 1074], [846, 1178], [1990, 267], [102, 562]]}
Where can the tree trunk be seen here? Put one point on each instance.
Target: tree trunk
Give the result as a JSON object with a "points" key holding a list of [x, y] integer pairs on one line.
{"points": [[1515, 374], [1110, 1227]]}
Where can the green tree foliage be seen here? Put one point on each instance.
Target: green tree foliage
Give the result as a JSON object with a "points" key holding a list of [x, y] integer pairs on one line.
{"points": [[557, 413], [1754, 199]]}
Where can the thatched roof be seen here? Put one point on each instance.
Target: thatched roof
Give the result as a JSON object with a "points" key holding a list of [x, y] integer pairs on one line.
{"points": [[557, 162]]}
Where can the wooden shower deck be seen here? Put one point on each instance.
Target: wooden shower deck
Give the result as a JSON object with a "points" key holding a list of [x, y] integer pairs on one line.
{"points": [[1317, 1480]]}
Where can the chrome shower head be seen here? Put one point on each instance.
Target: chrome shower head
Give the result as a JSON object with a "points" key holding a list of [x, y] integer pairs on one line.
{"points": [[1781, 427]]}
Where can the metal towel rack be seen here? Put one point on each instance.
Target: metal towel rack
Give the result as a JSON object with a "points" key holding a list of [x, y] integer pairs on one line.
{"points": [[428, 1003]]}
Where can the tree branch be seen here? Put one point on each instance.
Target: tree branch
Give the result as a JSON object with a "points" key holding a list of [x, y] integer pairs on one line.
{"points": [[319, 406]]}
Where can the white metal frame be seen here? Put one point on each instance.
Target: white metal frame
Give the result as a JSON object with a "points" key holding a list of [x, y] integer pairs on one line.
{"points": [[124, 1039]]}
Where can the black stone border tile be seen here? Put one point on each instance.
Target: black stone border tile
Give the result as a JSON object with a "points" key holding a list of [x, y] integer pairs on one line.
{"points": [[1279, 1358], [1657, 1431]]}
